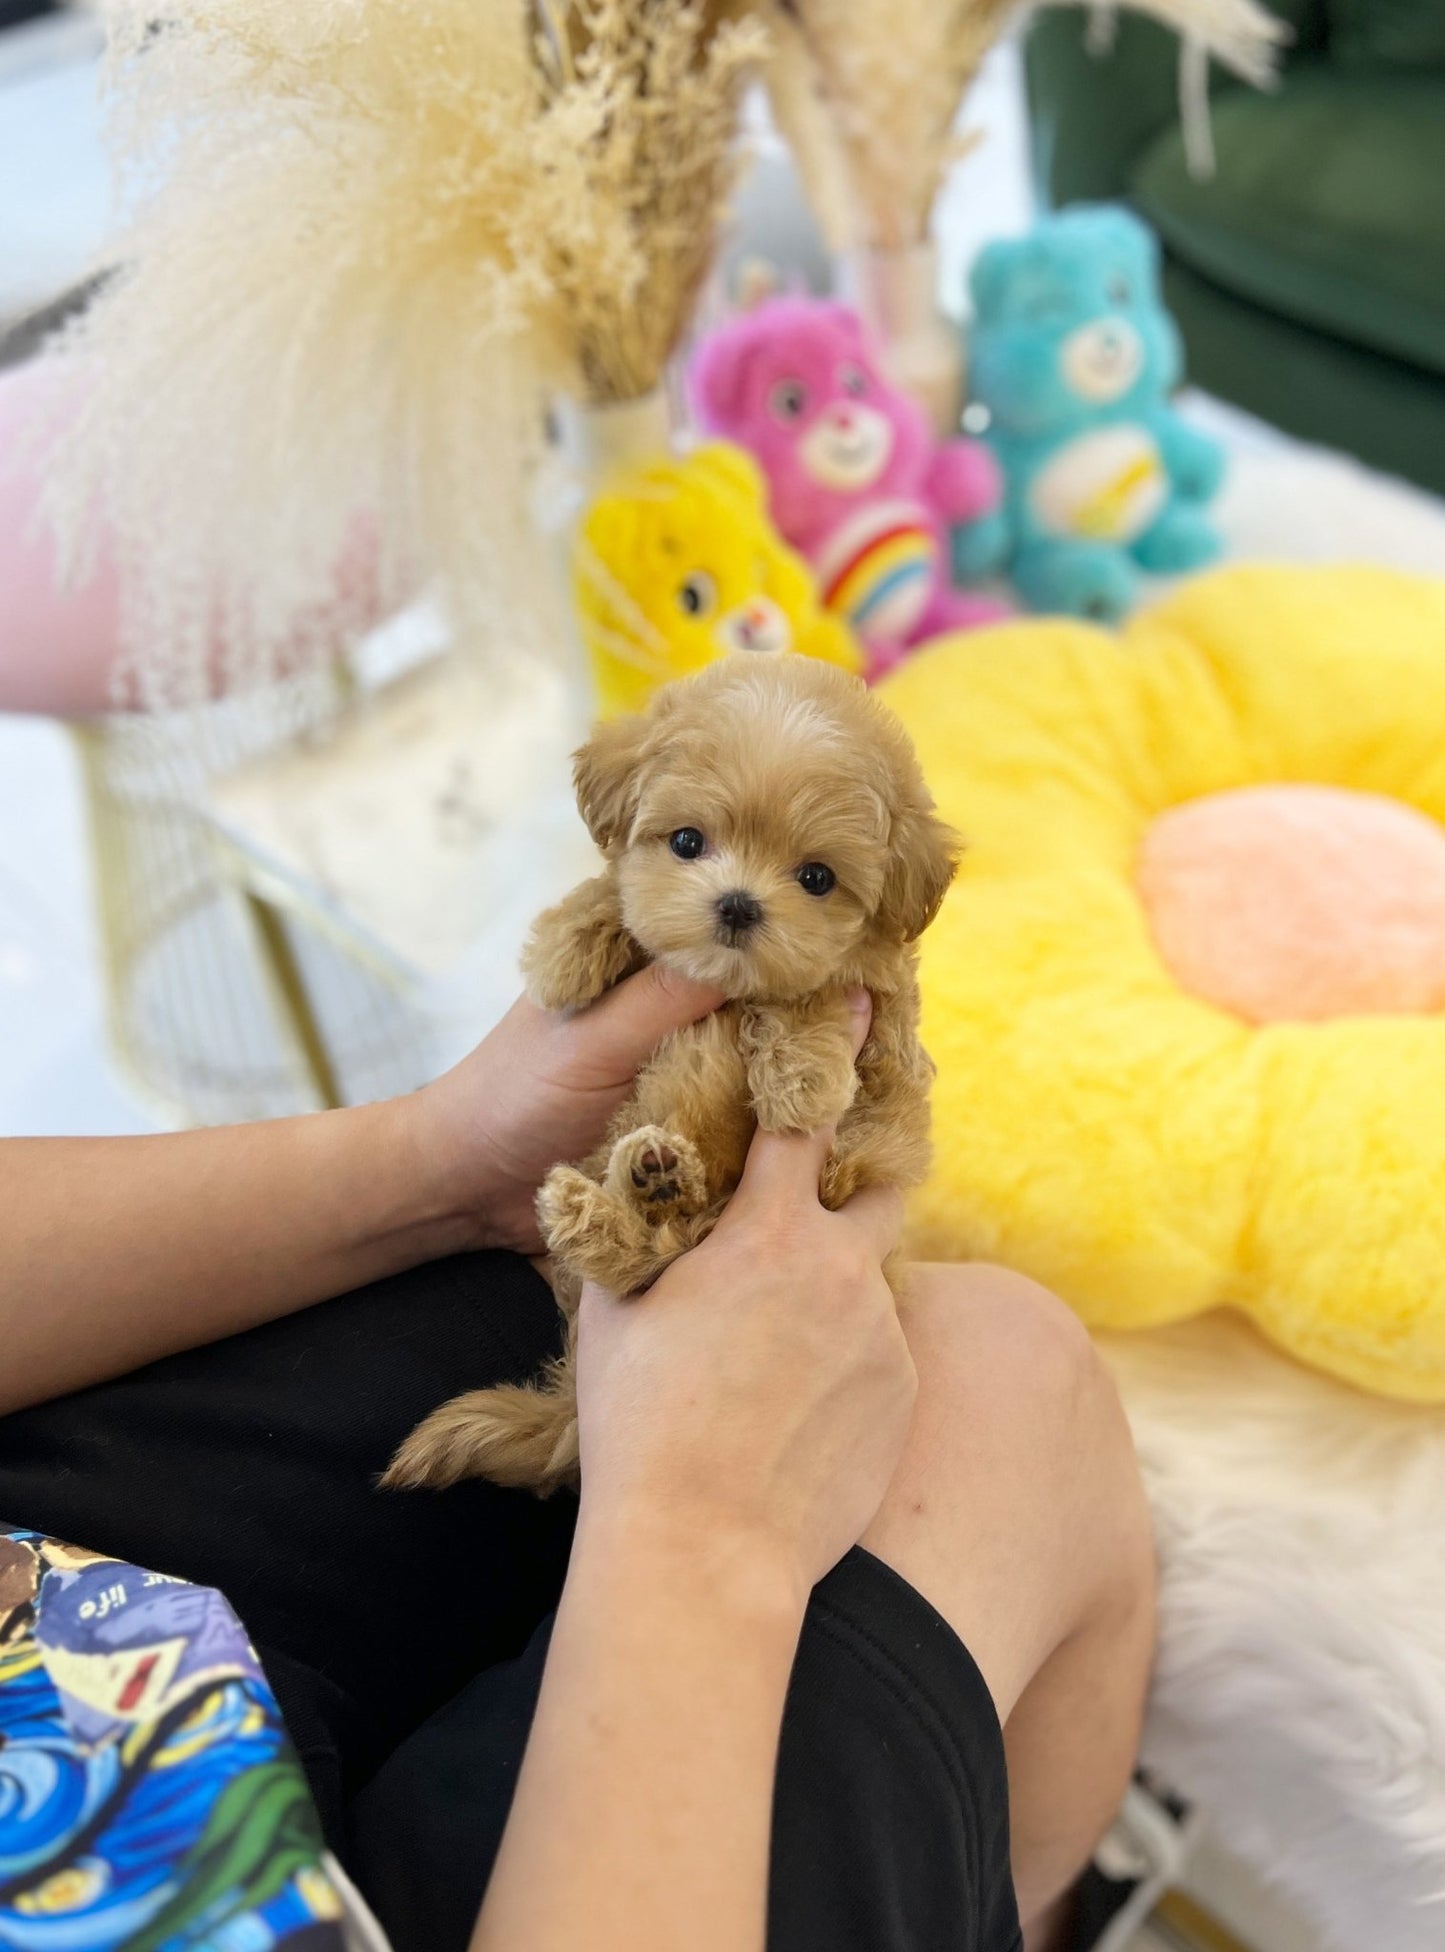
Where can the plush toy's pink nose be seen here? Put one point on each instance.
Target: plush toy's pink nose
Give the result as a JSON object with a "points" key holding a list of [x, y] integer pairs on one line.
{"points": [[755, 617], [843, 417]]}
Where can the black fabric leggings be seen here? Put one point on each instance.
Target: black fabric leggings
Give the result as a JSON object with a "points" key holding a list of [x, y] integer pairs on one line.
{"points": [[405, 1633]]}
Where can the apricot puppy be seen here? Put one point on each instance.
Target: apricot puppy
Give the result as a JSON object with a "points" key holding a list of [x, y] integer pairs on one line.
{"points": [[765, 828]]}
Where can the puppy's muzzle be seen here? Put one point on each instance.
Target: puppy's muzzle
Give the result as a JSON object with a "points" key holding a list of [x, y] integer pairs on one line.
{"points": [[738, 914]]}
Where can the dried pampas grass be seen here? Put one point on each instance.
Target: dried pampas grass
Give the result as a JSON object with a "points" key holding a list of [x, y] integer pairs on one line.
{"points": [[365, 244], [667, 77], [868, 93]]}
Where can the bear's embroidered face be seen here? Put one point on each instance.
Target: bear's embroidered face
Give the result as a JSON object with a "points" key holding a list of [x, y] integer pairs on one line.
{"points": [[1103, 360], [848, 444], [1068, 322], [677, 565], [798, 384]]}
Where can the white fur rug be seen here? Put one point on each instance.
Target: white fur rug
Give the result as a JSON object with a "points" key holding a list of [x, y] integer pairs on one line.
{"points": [[1300, 1692]]}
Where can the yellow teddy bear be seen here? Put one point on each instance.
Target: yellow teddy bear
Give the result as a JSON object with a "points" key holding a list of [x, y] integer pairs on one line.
{"points": [[677, 564]]}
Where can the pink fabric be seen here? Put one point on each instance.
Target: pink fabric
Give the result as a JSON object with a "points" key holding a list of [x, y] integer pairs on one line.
{"points": [[58, 650], [1299, 903], [820, 348]]}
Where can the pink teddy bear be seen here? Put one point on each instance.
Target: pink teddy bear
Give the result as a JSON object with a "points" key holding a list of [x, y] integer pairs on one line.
{"points": [[857, 483]]}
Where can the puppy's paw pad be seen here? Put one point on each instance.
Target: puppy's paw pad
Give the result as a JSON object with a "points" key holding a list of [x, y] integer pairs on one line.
{"points": [[654, 1173], [658, 1171]]}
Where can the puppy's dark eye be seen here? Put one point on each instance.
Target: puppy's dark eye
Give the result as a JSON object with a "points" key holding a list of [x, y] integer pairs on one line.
{"points": [[788, 399], [687, 843], [815, 879]]}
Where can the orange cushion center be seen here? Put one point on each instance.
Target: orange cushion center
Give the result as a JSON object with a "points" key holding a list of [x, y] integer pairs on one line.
{"points": [[1299, 903]]}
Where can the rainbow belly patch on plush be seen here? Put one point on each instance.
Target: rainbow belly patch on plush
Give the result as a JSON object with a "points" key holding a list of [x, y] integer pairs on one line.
{"points": [[877, 571]]}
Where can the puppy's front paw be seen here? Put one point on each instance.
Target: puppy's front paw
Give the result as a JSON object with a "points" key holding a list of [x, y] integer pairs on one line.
{"points": [[595, 1235], [578, 949], [658, 1171], [804, 1099], [574, 981], [567, 1207]]}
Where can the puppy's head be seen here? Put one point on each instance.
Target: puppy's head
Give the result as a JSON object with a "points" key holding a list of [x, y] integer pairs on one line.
{"points": [[768, 823]]}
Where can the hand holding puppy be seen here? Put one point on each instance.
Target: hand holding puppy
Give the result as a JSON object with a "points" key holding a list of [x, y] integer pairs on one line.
{"points": [[759, 1401], [766, 832], [542, 1087]]}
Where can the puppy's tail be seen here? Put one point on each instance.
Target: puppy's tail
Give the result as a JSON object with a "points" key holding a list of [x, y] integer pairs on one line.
{"points": [[522, 1437]]}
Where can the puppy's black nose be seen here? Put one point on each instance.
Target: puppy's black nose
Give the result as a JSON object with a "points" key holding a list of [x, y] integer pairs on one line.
{"points": [[738, 912]]}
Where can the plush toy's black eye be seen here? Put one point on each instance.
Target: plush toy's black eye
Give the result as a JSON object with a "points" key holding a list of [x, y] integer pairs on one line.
{"points": [[697, 595], [687, 843], [814, 878], [853, 380], [788, 399], [1118, 290]]}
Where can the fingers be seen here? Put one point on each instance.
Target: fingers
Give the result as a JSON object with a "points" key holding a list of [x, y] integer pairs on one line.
{"points": [[782, 1176], [625, 1027], [783, 1169], [877, 1212], [592, 1298]]}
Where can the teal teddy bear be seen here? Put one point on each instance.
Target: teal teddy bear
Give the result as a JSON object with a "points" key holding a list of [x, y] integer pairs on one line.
{"points": [[1074, 357]]}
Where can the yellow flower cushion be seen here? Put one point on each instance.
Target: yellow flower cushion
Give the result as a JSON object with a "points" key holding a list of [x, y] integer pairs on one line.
{"points": [[1149, 1130]]}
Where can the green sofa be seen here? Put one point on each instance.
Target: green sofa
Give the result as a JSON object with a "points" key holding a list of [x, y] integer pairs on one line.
{"points": [[1308, 274]]}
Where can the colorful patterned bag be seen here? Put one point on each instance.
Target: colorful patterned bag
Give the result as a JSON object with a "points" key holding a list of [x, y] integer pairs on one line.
{"points": [[150, 1798]]}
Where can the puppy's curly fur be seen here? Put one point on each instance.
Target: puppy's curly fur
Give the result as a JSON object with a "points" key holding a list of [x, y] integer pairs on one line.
{"points": [[765, 829]]}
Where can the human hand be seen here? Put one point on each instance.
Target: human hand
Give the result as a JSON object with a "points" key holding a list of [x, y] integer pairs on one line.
{"points": [[760, 1393], [538, 1089]]}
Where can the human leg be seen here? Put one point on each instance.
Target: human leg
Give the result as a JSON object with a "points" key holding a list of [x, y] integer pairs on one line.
{"points": [[1015, 1585], [1018, 1512], [890, 1813], [251, 1466]]}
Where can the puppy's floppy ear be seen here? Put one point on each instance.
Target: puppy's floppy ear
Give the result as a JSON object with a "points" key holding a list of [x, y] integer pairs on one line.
{"points": [[607, 773], [923, 854]]}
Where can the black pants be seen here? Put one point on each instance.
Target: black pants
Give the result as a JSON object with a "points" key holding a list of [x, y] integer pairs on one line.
{"points": [[405, 1633]]}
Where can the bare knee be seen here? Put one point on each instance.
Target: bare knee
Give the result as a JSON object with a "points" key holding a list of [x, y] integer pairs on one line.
{"points": [[1019, 1498], [1010, 1349], [1016, 1355], [1022, 1357]]}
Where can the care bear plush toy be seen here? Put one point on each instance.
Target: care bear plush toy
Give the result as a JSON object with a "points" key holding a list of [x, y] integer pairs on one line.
{"points": [[1074, 357], [856, 480], [676, 564]]}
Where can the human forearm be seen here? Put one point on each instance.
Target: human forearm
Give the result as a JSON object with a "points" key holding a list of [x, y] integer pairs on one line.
{"points": [[643, 1811], [738, 1425], [114, 1252]]}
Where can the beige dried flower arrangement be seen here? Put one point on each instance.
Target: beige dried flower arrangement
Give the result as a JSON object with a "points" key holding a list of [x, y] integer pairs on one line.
{"points": [[364, 245], [867, 93], [664, 82]]}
